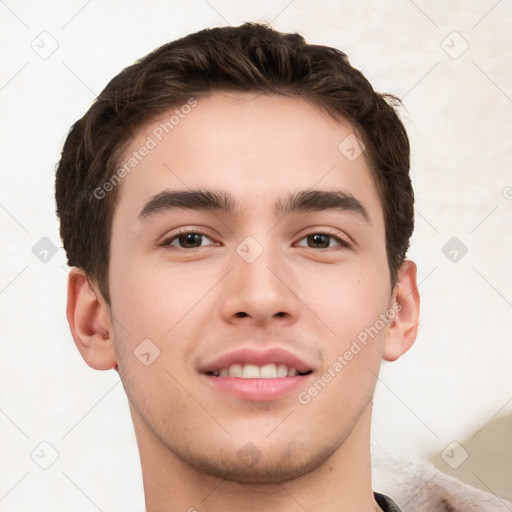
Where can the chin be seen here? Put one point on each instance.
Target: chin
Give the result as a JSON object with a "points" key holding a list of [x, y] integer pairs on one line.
{"points": [[252, 466]]}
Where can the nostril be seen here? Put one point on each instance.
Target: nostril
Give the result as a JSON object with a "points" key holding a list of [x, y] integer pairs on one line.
{"points": [[241, 314], [281, 313]]}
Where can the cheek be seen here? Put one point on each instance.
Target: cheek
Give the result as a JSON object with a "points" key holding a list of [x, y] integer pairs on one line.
{"points": [[349, 303], [351, 306], [154, 315], [348, 300], [159, 303]]}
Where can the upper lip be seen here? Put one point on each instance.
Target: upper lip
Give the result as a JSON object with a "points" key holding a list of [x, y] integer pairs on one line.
{"points": [[244, 356]]}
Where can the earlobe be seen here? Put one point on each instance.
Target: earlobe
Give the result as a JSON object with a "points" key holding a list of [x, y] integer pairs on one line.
{"points": [[89, 320], [403, 328]]}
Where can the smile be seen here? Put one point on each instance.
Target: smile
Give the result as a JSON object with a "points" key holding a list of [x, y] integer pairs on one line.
{"points": [[252, 371]]}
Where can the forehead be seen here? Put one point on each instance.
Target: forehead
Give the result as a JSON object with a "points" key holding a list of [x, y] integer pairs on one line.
{"points": [[256, 146]]}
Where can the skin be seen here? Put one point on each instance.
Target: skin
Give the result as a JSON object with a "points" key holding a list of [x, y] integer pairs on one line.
{"points": [[196, 305]]}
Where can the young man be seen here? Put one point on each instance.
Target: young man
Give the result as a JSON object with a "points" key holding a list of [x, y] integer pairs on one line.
{"points": [[237, 207]]}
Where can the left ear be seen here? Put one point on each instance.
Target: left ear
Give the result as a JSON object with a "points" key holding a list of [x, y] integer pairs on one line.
{"points": [[403, 328]]}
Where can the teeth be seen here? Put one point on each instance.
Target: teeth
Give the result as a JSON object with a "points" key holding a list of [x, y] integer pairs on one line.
{"points": [[235, 370], [282, 370], [269, 371], [252, 371]]}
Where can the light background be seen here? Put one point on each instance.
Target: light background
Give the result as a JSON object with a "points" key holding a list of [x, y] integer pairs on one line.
{"points": [[453, 386]]}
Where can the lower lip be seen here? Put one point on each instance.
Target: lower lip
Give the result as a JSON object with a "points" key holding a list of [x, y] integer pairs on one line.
{"points": [[258, 389]]}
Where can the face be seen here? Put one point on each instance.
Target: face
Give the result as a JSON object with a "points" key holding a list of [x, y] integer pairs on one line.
{"points": [[239, 315]]}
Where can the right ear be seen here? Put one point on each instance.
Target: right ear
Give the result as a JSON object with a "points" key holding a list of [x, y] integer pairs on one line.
{"points": [[90, 322]]}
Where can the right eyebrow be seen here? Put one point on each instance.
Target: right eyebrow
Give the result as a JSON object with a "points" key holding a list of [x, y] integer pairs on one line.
{"points": [[187, 199]]}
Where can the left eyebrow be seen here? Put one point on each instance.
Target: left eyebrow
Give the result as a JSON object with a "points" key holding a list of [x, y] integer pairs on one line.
{"points": [[298, 202], [321, 200]]}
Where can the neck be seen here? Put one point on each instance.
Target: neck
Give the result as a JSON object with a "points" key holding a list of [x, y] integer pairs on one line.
{"points": [[341, 483]]}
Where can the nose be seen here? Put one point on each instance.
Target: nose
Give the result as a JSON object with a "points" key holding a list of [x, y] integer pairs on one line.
{"points": [[261, 293]]}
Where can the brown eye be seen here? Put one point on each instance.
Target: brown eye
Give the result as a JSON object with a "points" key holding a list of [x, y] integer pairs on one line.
{"points": [[188, 240], [322, 241], [318, 240]]}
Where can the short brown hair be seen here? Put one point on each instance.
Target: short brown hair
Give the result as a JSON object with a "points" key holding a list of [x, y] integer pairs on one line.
{"points": [[249, 58]]}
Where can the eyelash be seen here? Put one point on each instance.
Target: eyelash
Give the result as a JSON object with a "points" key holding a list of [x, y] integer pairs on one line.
{"points": [[168, 242]]}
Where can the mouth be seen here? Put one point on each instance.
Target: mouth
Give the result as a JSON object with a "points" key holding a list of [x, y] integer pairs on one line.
{"points": [[257, 375], [253, 371]]}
